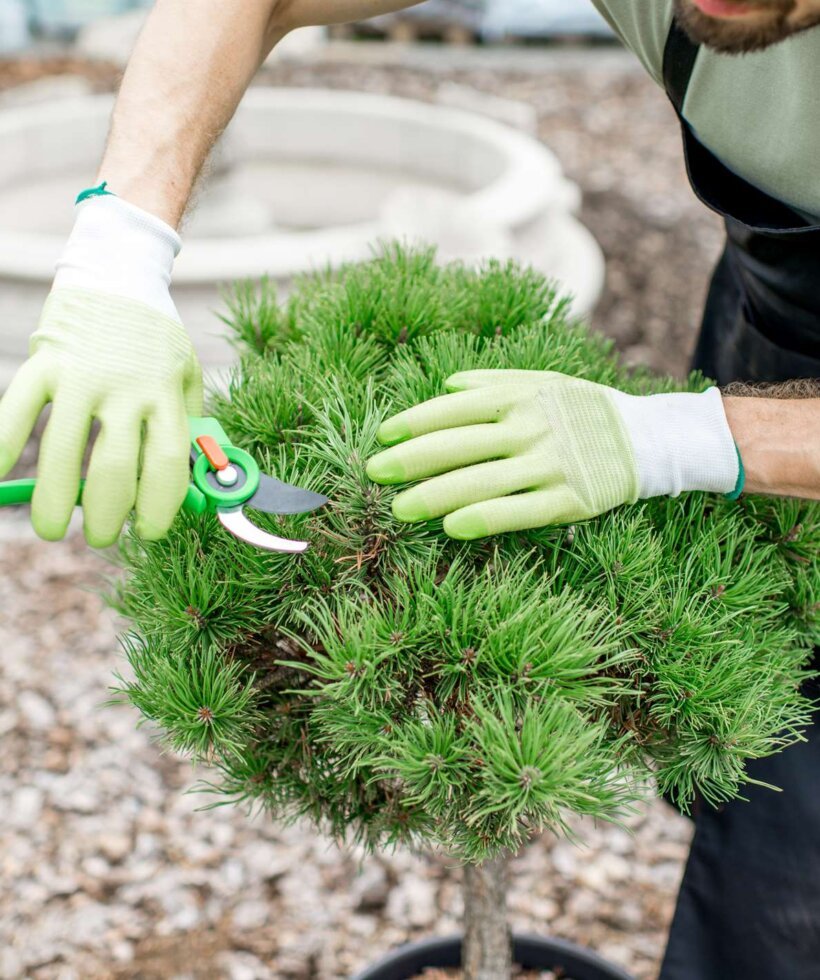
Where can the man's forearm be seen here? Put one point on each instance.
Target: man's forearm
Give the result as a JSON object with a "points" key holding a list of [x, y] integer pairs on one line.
{"points": [[779, 441], [190, 68]]}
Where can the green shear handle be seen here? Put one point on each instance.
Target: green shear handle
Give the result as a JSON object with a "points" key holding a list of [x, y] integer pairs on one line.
{"points": [[224, 479], [21, 492]]}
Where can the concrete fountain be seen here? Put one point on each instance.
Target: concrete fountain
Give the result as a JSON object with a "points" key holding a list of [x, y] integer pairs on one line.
{"points": [[302, 179]]}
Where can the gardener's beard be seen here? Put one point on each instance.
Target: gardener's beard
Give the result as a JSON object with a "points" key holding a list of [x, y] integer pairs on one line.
{"points": [[740, 26]]}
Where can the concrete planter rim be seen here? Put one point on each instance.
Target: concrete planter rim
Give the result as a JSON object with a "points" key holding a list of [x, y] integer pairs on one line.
{"points": [[530, 182], [529, 951], [487, 190]]}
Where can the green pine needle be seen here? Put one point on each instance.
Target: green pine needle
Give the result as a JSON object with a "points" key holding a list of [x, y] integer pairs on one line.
{"points": [[395, 686]]}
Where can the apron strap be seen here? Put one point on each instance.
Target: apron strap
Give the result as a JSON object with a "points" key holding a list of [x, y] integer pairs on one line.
{"points": [[679, 58]]}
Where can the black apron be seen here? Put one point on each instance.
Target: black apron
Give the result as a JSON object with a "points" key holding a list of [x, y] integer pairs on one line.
{"points": [[749, 906]]}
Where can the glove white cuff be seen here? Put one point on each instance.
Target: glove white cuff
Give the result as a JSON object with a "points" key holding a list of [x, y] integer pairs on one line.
{"points": [[116, 247], [681, 442]]}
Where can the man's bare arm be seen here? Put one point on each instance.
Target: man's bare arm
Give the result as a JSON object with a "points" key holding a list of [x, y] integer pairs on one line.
{"points": [[778, 434], [190, 68]]}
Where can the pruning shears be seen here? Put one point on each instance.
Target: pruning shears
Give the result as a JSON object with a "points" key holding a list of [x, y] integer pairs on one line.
{"points": [[224, 480]]}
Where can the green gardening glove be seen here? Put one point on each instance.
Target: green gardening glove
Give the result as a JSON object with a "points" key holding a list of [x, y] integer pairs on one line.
{"points": [[511, 450], [109, 346]]}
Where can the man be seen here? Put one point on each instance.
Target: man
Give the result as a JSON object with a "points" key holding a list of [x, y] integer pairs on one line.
{"points": [[504, 450]]}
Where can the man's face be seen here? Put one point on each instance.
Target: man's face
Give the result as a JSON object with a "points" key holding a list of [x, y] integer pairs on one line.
{"points": [[738, 26]]}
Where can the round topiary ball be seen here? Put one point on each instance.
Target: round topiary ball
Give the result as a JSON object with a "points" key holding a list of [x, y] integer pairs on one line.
{"points": [[392, 684]]}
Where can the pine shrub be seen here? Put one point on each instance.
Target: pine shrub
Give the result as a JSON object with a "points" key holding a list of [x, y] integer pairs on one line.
{"points": [[392, 685]]}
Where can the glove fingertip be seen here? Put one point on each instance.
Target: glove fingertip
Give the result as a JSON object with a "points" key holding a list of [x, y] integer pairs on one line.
{"points": [[48, 530], [384, 469], [393, 431], [466, 527], [148, 531], [460, 381], [407, 510], [154, 526], [97, 539]]}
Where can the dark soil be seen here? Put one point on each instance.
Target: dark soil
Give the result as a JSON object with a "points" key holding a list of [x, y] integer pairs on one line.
{"points": [[18, 71]]}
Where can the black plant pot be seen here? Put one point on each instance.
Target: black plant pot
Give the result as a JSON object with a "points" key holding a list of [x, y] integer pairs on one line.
{"points": [[530, 952]]}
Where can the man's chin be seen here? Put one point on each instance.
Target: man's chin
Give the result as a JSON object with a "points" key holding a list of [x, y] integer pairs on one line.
{"points": [[741, 30]]}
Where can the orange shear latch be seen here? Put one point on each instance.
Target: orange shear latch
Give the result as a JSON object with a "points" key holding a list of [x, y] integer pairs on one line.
{"points": [[213, 452]]}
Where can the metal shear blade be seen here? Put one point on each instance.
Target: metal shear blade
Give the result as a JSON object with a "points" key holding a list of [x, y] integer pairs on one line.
{"points": [[272, 497], [275, 497], [235, 521]]}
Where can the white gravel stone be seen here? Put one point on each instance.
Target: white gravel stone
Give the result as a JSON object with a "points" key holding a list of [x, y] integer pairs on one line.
{"points": [[11, 964], [413, 900], [26, 806], [582, 905], [59, 884], [74, 792], [267, 860], [186, 916], [87, 923], [565, 858], [36, 710], [146, 845], [232, 876], [115, 847], [251, 915], [222, 834], [243, 966], [96, 867], [122, 951], [369, 890]]}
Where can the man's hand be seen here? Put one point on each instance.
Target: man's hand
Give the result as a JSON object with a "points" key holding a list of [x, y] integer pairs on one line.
{"points": [[110, 347], [510, 450]]}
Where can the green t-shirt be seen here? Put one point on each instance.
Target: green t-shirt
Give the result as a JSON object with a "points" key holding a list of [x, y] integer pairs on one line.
{"points": [[758, 113]]}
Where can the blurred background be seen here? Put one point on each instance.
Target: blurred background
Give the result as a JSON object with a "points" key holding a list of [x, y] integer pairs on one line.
{"points": [[524, 130]]}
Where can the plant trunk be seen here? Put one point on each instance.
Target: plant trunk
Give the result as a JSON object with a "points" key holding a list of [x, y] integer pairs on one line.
{"points": [[487, 951]]}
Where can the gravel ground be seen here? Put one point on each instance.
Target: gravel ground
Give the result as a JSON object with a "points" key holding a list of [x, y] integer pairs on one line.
{"points": [[109, 868]]}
